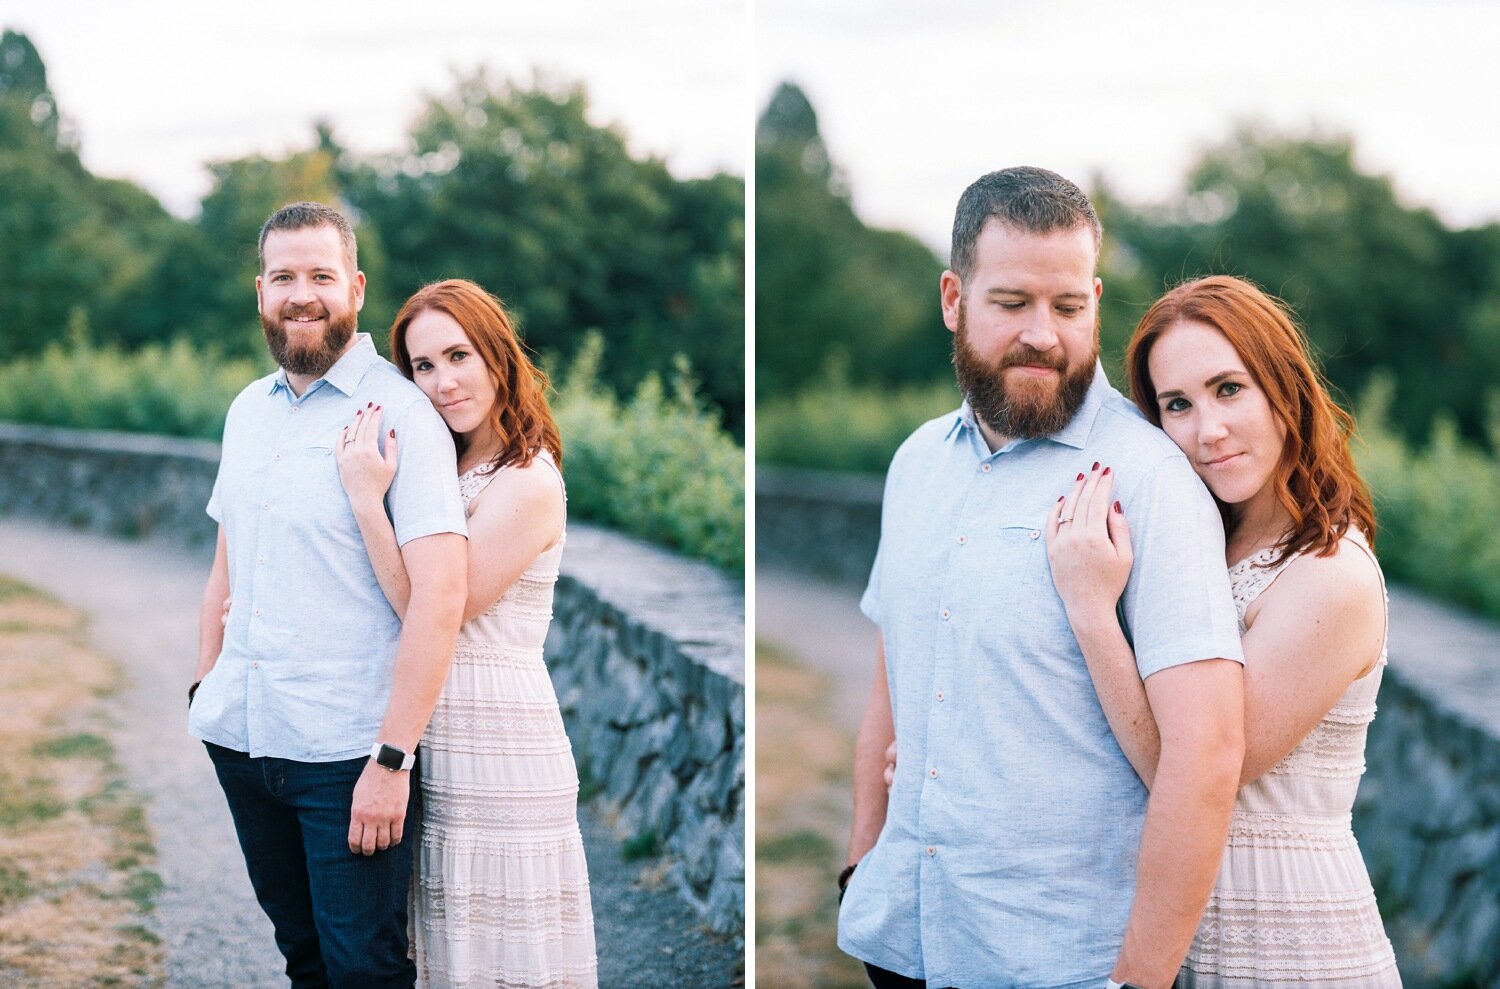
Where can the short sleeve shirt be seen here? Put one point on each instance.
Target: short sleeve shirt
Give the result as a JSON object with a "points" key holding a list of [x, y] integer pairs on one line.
{"points": [[1008, 854], [310, 646]]}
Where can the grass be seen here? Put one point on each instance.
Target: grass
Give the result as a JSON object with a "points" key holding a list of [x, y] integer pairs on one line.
{"points": [[77, 884], [802, 766]]}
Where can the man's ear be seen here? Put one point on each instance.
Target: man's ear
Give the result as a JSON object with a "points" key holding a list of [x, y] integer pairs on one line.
{"points": [[359, 290], [260, 299], [950, 293]]}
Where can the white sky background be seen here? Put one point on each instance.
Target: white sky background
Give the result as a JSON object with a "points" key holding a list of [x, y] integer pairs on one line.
{"points": [[155, 89], [916, 99]]}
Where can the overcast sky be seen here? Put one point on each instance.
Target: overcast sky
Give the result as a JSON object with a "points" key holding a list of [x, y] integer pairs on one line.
{"points": [[916, 99], [157, 88]]}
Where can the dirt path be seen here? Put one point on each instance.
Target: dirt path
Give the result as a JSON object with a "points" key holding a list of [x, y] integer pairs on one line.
{"points": [[142, 602]]}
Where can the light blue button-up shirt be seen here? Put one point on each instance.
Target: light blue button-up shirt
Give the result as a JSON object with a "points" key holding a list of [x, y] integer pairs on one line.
{"points": [[1008, 856], [310, 647]]}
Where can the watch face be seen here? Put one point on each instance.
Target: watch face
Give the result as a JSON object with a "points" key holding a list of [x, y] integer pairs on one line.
{"points": [[391, 757]]}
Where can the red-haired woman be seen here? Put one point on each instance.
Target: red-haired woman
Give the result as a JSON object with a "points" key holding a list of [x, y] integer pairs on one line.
{"points": [[1222, 368], [500, 891]]}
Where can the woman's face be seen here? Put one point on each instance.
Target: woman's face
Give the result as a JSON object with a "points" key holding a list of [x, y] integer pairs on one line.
{"points": [[1216, 412], [449, 371]]}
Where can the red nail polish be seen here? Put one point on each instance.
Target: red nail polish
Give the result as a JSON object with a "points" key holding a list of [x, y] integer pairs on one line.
{"points": [[1095, 467], [369, 404], [1106, 471], [393, 436], [1080, 477], [1117, 508], [359, 413], [1060, 498]]}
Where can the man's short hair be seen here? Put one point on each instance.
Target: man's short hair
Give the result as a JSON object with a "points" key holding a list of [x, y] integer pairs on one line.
{"points": [[1031, 199], [300, 216]]}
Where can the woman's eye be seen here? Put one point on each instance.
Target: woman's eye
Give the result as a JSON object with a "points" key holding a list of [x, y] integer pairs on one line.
{"points": [[458, 355], [1175, 405], [1230, 388], [422, 366]]}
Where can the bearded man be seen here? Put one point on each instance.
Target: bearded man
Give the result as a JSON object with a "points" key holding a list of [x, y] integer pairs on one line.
{"points": [[311, 694], [1016, 846]]}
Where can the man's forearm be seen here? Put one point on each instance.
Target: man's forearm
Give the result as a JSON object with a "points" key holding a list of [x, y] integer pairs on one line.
{"points": [[1187, 821], [870, 798], [876, 731], [211, 611]]}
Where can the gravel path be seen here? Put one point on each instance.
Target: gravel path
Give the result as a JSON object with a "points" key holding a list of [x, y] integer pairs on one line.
{"points": [[142, 602]]}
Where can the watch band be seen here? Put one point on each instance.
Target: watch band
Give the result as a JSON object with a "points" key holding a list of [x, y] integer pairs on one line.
{"points": [[391, 758]]}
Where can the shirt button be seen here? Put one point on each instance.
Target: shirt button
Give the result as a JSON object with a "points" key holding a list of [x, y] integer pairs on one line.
{"points": [[932, 772], [255, 664], [261, 561], [276, 457], [1035, 534], [946, 614], [296, 407], [939, 695], [985, 468], [265, 506], [257, 612], [962, 540], [931, 850]]}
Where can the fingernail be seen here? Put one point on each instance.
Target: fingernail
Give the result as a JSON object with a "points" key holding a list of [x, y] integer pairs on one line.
{"points": [[1080, 477], [1106, 471], [368, 404], [359, 413], [393, 434], [1117, 508], [1060, 498], [377, 408], [1095, 467]]}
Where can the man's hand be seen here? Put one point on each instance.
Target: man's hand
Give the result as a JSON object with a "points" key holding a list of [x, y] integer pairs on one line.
{"points": [[378, 818]]}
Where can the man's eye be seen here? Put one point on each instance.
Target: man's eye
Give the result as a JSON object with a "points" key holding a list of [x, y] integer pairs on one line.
{"points": [[1070, 310], [1012, 305]]}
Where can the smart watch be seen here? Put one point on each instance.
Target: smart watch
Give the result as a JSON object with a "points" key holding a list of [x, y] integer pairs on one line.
{"points": [[392, 758]]}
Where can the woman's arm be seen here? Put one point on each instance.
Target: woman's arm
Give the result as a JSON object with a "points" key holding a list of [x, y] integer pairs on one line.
{"points": [[1319, 627], [366, 474], [1090, 559], [516, 519]]}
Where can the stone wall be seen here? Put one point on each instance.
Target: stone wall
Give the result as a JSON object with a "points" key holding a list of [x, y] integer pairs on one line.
{"points": [[647, 649], [1428, 813]]}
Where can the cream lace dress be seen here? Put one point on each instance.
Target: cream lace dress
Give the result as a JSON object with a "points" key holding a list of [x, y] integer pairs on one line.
{"points": [[500, 893], [1292, 907]]}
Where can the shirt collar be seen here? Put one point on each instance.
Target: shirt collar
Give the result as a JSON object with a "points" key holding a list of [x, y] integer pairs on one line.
{"points": [[1074, 434], [346, 373]]}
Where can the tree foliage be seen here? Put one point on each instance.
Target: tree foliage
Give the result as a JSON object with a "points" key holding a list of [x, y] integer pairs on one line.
{"points": [[510, 185], [832, 295]]}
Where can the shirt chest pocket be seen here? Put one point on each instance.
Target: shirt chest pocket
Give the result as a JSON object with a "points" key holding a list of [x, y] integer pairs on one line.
{"points": [[313, 494]]}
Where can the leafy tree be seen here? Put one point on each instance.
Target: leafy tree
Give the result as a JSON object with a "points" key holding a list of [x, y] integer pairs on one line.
{"points": [[1376, 283], [513, 187], [832, 296]]}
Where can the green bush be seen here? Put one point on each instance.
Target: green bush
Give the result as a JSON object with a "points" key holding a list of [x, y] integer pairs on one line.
{"points": [[658, 466], [842, 427], [1435, 505], [171, 389]]}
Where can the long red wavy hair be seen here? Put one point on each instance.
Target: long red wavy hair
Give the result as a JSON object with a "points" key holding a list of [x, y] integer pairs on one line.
{"points": [[1316, 480], [520, 417]]}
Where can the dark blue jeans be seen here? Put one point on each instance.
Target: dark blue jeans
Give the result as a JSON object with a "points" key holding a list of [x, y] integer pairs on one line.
{"points": [[340, 918]]}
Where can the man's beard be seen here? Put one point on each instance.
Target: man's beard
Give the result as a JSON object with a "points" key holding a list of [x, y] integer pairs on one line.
{"points": [[1024, 409], [312, 362]]}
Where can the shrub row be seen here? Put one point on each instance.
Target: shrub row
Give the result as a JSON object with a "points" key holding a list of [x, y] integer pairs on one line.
{"points": [[658, 466], [1435, 503]]}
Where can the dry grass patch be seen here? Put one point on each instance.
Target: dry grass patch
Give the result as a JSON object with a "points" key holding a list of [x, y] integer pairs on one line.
{"points": [[75, 852], [802, 806]]}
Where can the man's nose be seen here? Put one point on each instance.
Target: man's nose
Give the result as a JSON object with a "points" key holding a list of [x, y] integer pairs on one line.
{"points": [[302, 292], [1039, 331]]}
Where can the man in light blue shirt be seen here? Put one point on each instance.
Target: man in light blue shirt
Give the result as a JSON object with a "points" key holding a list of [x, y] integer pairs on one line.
{"points": [[1017, 847], [312, 695]]}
